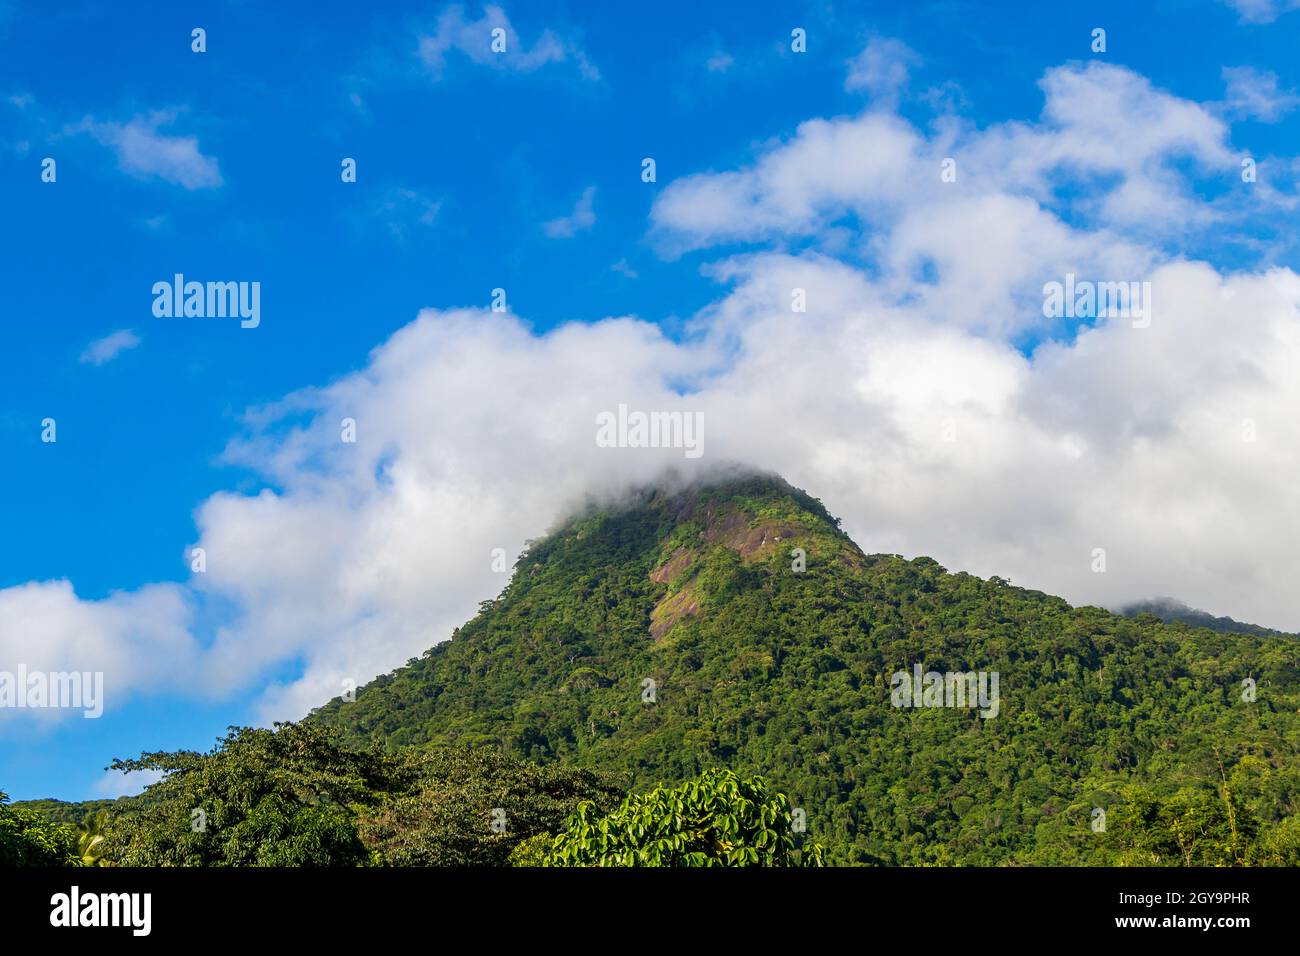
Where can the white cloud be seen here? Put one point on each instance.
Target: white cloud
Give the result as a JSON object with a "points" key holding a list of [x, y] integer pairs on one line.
{"points": [[826, 166], [1099, 123], [403, 209], [1254, 94], [475, 433], [1262, 11], [114, 783], [145, 152], [473, 39], [882, 69], [719, 62], [581, 219], [137, 640], [109, 347]]}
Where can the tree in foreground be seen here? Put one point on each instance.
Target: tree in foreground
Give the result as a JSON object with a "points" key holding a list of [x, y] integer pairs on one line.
{"points": [[1199, 826], [474, 806], [717, 819], [28, 839], [299, 796], [282, 797], [91, 837]]}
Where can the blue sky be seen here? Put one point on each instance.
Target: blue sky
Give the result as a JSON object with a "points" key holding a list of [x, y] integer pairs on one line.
{"points": [[225, 165]]}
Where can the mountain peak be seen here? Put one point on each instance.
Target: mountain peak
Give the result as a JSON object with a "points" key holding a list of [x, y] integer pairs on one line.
{"points": [[689, 533], [681, 497], [730, 622]]}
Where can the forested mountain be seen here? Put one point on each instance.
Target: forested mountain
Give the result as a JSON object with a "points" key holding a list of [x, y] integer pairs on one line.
{"points": [[736, 626], [1171, 610]]}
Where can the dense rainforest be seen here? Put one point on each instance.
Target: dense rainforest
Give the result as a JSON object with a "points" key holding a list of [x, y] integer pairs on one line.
{"points": [[770, 640], [729, 645]]}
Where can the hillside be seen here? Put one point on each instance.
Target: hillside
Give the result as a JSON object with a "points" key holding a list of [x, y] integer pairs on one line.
{"points": [[762, 668]]}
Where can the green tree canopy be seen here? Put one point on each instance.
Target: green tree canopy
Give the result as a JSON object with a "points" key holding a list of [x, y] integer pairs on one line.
{"points": [[718, 819], [28, 839], [296, 796]]}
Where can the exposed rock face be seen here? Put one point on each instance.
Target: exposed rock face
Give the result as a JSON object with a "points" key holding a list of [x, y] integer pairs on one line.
{"points": [[722, 525]]}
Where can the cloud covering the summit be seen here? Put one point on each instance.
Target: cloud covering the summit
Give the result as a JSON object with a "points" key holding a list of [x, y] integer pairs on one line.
{"points": [[923, 395]]}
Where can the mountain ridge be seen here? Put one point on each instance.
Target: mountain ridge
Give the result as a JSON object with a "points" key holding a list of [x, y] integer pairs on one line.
{"points": [[1170, 610]]}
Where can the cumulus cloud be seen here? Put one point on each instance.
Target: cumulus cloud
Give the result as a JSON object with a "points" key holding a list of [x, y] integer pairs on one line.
{"points": [[114, 784], [143, 150], [790, 189], [403, 210], [473, 39], [1159, 444], [109, 347], [922, 393], [581, 219], [1262, 11], [138, 640], [882, 69], [1106, 130], [1255, 94]]}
